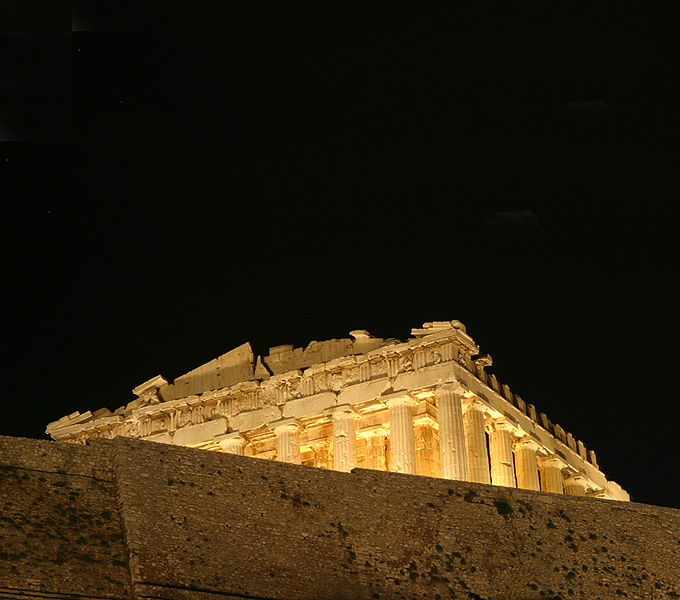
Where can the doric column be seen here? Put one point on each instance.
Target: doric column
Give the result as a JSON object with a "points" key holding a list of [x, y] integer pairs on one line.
{"points": [[526, 466], [344, 438], [232, 443], [575, 485], [427, 446], [402, 439], [288, 440], [323, 454], [475, 441], [376, 444], [452, 455], [500, 452], [551, 473]]}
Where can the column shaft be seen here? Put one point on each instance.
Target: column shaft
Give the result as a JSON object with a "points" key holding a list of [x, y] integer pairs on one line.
{"points": [[344, 441], [575, 486], [500, 452], [323, 455], [402, 439], [288, 443], [551, 474], [376, 444], [475, 442], [427, 446], [526, 466], [453, 457], [233, 445]]}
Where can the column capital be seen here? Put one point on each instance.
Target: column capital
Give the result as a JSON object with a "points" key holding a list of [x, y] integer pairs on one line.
{"points": [[232, 443], [526, 443], [393, 400], [575, 485], [501, 424], [474, 403], [577, 479], [284, 424], [455, 387], [342, 411], [552, 460]]}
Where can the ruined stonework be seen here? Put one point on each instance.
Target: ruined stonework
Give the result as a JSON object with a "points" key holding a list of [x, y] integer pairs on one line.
{"points": [[425, 406], [130, 519]]}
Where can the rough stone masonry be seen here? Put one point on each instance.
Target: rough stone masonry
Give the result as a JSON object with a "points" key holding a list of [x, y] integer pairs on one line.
{"points": [[126, 518]]}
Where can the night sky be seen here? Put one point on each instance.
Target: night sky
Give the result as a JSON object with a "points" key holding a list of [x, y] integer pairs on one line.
{"points": [[281, 172]]}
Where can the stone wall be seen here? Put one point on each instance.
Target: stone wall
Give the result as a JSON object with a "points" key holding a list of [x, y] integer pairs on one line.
{"points": [[203, 524], [60, 532]]}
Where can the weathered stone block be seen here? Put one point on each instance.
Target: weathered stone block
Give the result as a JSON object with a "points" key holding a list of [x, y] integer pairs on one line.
{"points": [[202, 432], [309, 405]]}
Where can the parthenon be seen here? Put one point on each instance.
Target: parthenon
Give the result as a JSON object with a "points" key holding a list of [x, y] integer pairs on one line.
{"points": [[424, 406]]}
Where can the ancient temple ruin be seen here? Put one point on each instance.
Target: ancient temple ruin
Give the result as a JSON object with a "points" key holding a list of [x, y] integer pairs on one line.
{"points": [[425, 406]]}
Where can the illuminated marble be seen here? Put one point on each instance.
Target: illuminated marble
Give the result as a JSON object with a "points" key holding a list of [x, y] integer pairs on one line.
{"points": [[424, 406]]}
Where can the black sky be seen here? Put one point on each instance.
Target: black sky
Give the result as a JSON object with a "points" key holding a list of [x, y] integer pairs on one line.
{"points": [[283, 172]]}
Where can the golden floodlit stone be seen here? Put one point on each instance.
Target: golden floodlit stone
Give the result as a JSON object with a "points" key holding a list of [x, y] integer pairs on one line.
{"points": [[424, 406]]}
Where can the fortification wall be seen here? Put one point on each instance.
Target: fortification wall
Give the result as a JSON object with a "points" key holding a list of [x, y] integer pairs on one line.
{"points": [[205, 525], [60, 532]]}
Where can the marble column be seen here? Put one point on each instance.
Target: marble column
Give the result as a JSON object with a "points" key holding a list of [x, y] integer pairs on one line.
{"points": [[526, 466], [575, 485], [323, 454], [427, 446], [232, 443], [475, 441], [500, 453], [452, 454], [551, 474], [288, 441], [376, 445], [402, 438], [344, 438]]}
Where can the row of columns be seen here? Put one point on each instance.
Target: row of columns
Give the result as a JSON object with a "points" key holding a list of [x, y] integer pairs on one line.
{"points": [[511, 463], [464, 453]]}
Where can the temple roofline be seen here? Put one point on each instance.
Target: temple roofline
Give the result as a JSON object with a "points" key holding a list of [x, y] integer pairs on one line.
{"points": [[439, 352]]}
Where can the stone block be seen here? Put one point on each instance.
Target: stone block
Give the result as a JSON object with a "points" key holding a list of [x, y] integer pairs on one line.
{"points": [[309, 405], [226, 370], [581, 450], [425, 377], [531, 412], [255, 418], [571, 442], [202, 432], [493, 382], [363, 392], [161, 438]]}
